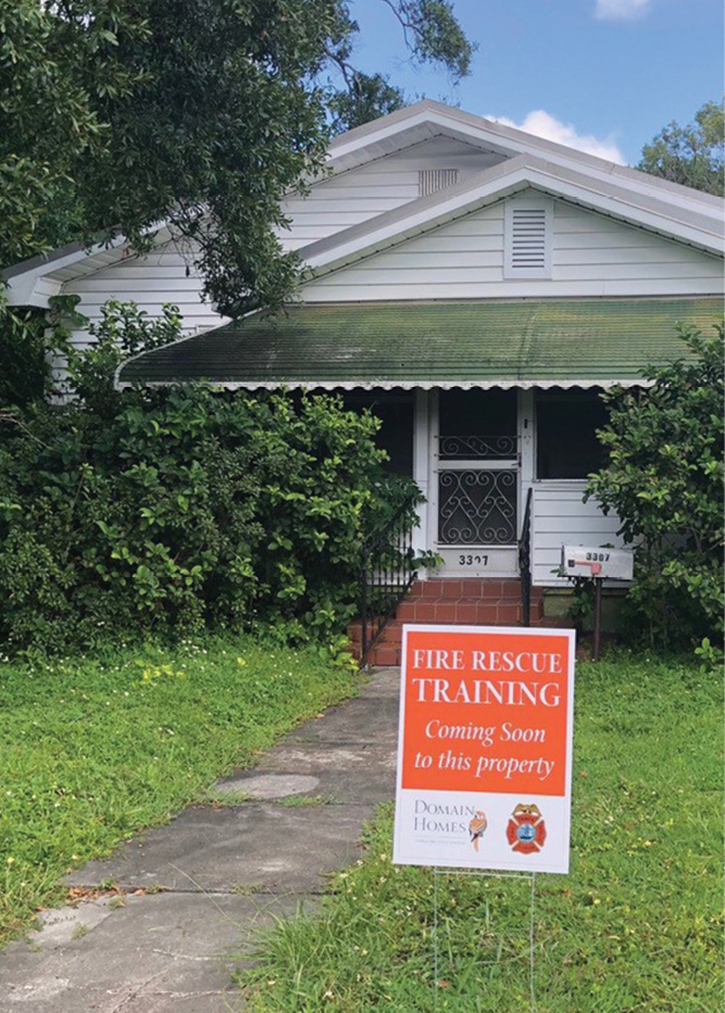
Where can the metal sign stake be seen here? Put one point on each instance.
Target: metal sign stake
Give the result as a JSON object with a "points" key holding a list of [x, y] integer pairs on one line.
{"points": [[437, 871], [597, 616]]}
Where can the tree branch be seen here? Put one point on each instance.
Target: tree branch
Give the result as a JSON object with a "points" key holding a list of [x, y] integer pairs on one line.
{"points": [[28, 432]]}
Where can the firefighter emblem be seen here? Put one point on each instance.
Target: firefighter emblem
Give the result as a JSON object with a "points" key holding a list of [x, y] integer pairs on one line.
{"points": [[477, 828], [526, 830]]}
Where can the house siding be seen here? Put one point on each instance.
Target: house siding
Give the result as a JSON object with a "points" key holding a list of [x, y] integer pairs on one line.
{"points": [[383, 185], [168, 274], [164, 276], [592, 256], [560, 517]]}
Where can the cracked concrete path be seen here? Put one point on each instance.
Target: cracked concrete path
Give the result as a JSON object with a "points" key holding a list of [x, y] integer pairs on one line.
{"points": [[214, 876]]}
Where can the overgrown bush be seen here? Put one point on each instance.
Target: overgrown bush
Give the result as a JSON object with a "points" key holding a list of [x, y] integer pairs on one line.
{"points": [[156, 512], [665, 481]]}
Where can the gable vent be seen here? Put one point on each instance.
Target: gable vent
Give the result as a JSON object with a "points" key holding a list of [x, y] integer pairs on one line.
{"points": [[432, 180], [528, 240]]}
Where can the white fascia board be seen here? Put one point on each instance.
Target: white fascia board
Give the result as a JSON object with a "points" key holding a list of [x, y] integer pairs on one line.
{"points": [[36, 280], [495, 185], [378, 130], [506, 140], [34, 286], [31, 289], [332, 385], [405, 227], [492, 133], [441, 119], [663, 217]]}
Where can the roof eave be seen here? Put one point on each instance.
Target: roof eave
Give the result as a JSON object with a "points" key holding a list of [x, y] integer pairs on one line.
{"points": [[414, 384], [495, 184], [31, 282]]}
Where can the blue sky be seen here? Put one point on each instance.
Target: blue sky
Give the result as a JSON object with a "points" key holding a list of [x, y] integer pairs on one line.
{"points": [[605, 75]]}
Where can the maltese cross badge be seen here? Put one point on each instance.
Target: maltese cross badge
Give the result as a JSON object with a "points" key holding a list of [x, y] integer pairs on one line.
{"points": [[526, 830]]}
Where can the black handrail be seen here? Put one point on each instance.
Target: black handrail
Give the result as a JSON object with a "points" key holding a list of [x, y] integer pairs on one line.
{"points": [[525, 562], [387, 571]]}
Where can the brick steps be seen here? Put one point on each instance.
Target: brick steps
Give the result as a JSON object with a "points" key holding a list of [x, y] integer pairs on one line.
{"points": [[467, 587], [496, 611], [469, 601]]}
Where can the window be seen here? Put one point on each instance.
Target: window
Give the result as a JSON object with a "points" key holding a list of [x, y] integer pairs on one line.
{"points": [[477, 425], [566, 440], [397, 413], [527, 239]]}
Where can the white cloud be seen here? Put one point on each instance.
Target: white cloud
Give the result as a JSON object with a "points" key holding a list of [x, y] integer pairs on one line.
{"points": [[544, 125], [621, 10]]}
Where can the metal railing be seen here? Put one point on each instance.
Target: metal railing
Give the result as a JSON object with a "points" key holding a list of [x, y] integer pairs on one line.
{"points": [[525, 562], [387, 571]]}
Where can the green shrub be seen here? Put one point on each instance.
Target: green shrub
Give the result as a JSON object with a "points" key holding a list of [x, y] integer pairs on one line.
{"points": [[156, 512], [665, 481]]}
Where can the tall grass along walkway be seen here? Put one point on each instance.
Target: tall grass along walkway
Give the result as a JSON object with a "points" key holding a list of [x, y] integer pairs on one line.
{"points": [[158, 926], [636, 927]]}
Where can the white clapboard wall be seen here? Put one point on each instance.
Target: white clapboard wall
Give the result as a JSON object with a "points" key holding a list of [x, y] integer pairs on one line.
{"points": [[560, 517], [334, 203], [359, 194], [592, 255]]}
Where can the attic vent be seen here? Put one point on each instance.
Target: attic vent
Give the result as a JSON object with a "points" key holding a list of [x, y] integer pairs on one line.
{"points": [[528, 239], [432, 180]]}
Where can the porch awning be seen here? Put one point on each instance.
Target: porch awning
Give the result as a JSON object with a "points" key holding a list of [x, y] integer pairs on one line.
{"points": [[526, 343]]}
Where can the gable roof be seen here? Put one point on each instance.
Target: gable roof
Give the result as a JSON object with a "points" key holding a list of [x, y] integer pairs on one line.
{"points": [[685, 223], [671, 210], [422, 120]]}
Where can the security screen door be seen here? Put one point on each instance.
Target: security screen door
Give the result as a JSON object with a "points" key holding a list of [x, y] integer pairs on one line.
{"points": [[477, 482]]}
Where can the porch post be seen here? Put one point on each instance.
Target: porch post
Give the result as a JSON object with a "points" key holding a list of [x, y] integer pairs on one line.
{"points": [[421, 469], [527, 446], [526, 439]]}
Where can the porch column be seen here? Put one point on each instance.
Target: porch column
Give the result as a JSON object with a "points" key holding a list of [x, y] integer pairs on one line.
{"points": [[526, 441], [421, 468]]}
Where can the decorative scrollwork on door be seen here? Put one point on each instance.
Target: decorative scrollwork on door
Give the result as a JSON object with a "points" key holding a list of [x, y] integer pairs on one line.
{"points": [[477, 448], [477, 507]]}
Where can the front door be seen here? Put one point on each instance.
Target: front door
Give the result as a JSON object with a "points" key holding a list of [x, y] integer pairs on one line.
{"points": [[476, 482]]}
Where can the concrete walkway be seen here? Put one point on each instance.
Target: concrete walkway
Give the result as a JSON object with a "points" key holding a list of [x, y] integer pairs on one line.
{"points": [[196, 892]]}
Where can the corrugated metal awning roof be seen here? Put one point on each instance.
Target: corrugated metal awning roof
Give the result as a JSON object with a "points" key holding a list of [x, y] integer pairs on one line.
{"points": [[527, 343]]}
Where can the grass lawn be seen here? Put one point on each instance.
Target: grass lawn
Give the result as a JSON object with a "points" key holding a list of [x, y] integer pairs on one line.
{"points": [[93, 750], [637, 925]]}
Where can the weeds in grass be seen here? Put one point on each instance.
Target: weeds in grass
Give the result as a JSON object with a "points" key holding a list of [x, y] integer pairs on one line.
{"points": [[90, 753], [219, 799], [636, 926], [300, 801]]}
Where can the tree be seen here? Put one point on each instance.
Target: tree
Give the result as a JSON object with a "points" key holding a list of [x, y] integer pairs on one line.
{"points": [[156, 512], [116, 115], [691, 155], [432, 34], [665, 481]]}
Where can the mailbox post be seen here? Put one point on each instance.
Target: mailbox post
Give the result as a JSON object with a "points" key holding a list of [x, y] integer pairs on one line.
{"points": [[597, 564]]}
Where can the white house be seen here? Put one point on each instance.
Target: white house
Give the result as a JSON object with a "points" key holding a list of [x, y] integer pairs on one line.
{"points": [[479, 286]]}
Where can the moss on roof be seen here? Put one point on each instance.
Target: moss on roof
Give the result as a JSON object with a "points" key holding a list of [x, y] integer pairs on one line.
{"points": [[431, 344]]}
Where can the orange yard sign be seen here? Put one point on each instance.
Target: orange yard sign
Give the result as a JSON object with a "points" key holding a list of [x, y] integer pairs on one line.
{"points": [[485, 747]]}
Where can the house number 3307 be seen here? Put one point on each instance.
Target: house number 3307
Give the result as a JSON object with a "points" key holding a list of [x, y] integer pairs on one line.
{"points": [[473, 560]]}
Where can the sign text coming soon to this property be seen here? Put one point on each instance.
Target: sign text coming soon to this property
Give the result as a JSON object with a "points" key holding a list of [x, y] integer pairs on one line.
{"points": [[484, 748]]}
